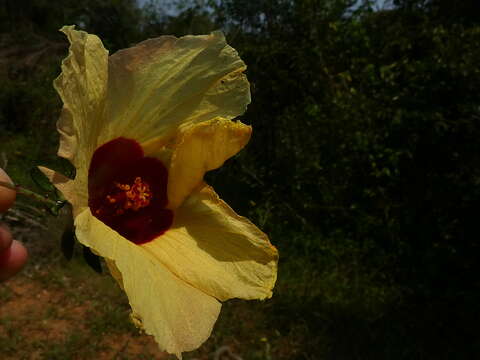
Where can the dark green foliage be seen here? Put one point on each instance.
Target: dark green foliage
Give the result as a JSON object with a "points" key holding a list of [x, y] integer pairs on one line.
{"points": [[444, 11], [366, 128], [410, 147], [366, 125], [115, 21]]}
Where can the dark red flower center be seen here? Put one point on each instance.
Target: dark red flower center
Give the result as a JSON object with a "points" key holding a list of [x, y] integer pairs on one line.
{"points": [[128, 191]]}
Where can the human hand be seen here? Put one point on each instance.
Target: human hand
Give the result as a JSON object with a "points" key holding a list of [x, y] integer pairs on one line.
{"points": [[13, 254]]}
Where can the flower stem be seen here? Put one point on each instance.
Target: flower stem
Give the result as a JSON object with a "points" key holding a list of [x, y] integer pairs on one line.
{"points": [[29, 193]]}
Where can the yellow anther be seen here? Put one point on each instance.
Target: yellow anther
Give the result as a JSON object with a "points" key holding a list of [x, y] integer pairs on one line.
{"points": [[123, 186], [135, 196]]}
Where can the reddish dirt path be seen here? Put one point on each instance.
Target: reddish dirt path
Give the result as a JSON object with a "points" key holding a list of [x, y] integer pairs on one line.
{"points": [[34, 318]]}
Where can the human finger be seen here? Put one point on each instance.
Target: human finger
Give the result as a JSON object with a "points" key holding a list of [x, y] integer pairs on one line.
{"points": [[5, 238], [7, 196], [12, 260]]}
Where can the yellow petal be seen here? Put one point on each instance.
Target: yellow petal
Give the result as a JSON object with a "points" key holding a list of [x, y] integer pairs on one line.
{"points": [[82, 86], [165, 82], [216, 250], [144, 92], [68, 189], [179, 316], [115, 272], [200, 148]]}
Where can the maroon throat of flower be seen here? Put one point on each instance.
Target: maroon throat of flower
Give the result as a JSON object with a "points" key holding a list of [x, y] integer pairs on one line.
{"points": [[128, 191]]}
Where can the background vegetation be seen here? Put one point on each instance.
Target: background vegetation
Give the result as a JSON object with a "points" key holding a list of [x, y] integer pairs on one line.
{"points": [[363, 167]]}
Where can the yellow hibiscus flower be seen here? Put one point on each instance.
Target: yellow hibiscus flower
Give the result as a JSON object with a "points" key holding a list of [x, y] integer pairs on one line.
{"points": [[141, 128]]}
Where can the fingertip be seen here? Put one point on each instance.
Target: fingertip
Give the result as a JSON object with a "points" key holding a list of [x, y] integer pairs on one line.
{"points": [[20, 254], [7, 196], [5, 237], [12, 260]]}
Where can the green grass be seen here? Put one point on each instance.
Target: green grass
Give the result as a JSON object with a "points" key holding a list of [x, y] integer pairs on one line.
{"points": [[12, 339], [69, 348]]}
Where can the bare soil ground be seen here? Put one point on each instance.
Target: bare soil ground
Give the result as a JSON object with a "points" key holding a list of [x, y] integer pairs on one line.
{"points": [[45, 321]]}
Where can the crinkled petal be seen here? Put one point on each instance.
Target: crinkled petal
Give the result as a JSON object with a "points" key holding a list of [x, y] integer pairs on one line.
{"points": [[68, 189], [115, 272], [82, 86], [216, 250], [146, 92], [165, 82], [178, 315], [200, 148]]}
